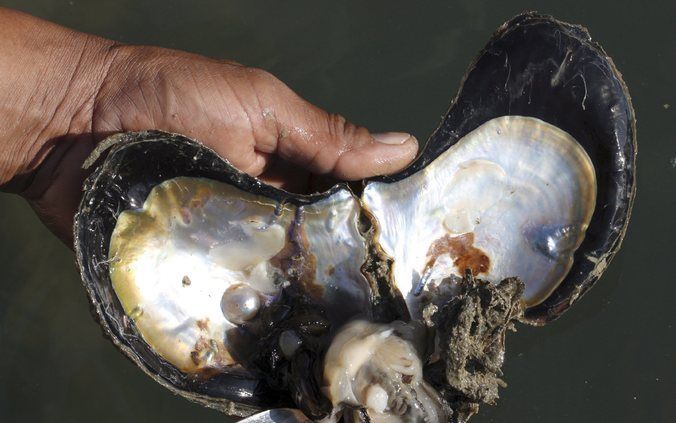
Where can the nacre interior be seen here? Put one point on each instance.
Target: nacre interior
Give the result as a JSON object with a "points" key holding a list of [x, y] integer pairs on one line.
{"points": [[176, 260], [513, 198]]}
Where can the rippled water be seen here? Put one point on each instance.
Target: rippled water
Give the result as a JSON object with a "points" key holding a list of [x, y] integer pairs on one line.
{"points": [[389, 66]]}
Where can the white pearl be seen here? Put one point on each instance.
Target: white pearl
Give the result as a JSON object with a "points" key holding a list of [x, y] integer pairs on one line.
{"points": [[240, 303]]}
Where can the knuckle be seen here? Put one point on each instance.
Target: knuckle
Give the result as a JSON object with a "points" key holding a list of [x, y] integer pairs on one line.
{"points": [[337, 125], [261, 76], [346, 134]]}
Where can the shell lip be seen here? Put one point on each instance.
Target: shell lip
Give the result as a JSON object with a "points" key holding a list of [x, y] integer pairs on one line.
{"points": [[114, 143]]}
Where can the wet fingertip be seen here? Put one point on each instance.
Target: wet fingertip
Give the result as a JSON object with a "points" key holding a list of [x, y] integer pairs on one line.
{"points": [[413, 142], [410, 147]]}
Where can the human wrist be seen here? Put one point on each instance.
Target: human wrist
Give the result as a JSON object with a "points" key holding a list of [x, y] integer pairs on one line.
{"points": [[50, 78]]}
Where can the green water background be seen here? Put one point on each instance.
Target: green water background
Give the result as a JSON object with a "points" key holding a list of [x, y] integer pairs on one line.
{"points": [[388, 65]]}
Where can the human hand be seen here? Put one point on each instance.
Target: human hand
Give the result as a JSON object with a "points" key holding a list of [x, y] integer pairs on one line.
{"points": [[86, 88]]}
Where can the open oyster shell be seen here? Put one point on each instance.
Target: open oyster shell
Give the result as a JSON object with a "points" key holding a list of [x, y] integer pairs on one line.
{"points": [[230, 292]]}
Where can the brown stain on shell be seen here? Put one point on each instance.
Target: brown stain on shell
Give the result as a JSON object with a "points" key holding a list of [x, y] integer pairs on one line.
{"points": [[296, 261], [203, 324], [200, 198], [463, 252], [186, 217], [207, 354]]}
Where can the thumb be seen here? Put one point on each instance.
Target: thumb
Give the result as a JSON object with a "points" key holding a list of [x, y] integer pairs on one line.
{"points": [[325, 143]]}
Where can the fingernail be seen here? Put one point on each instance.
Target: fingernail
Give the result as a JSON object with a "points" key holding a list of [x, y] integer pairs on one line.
{"points": [[394, 138]]}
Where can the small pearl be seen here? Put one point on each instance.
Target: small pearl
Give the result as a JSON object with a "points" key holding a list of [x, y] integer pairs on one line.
{"points": [[240, 303]]}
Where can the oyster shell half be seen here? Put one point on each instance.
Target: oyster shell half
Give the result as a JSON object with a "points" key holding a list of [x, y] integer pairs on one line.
{"points": [[201, 268]]}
